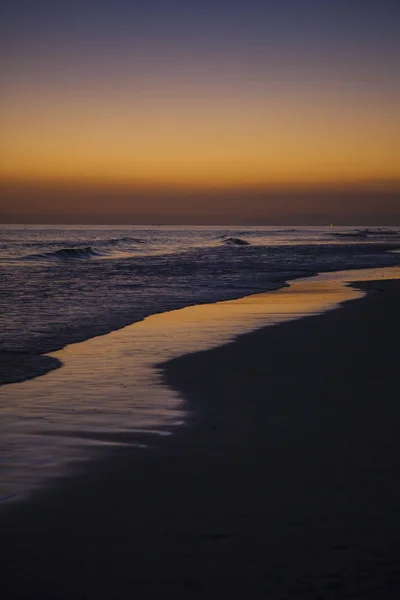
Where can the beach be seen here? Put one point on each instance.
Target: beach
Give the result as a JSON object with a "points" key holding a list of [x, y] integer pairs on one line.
{"points": [[283, 482], [199, 300]]}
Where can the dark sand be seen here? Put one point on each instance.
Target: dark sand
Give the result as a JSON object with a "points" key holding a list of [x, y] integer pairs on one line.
{"points": [[284, 483]]}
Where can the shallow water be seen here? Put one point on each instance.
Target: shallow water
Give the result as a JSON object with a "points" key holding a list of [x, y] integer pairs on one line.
{"points": [[65, 284], [108, 391]]}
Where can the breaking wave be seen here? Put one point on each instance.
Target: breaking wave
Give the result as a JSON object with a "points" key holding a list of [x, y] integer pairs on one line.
{"points": [[68, 253], [236, 241], [113, 247], [122, 240]]}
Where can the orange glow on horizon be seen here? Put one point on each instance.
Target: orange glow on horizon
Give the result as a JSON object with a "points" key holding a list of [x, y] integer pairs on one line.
{"points": [[219, 139], [129, 111]]}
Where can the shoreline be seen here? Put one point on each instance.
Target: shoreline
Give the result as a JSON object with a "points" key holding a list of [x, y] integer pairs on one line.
{"points": [[282, 484], [109, 394], [19, 365]]}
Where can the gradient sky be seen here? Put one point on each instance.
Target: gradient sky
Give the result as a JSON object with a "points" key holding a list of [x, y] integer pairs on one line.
{"points": [[200, 112]]}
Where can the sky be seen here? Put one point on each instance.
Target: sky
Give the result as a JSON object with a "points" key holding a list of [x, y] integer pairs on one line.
{"points": [[165, 111]]}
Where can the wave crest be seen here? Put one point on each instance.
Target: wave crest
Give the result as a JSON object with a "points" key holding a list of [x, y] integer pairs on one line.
{"points": [[367, 233], [67, 253], [236, 241], [122, 240], [87, 252]]}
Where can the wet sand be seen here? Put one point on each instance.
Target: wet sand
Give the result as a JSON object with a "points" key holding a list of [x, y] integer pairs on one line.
{"points": [[107, 391], [283, 483]]}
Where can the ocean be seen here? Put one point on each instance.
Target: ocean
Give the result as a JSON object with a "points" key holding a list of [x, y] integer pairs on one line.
{"points": [[67, 284]]}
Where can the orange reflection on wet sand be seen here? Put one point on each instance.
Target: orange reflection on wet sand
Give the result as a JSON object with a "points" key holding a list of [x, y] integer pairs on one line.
{"points": [[108, 392]]}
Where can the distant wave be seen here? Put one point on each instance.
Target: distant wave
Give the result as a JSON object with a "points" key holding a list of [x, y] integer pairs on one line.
{"points": [[122, 240], [367, 233], [67, 253], [257, 233], [111, 248], [381, 232], [87, 252], [354, 234], [236, 241]]}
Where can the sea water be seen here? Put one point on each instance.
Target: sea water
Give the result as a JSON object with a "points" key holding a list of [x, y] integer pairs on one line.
{"points": [[63, 285], [66, 284]]}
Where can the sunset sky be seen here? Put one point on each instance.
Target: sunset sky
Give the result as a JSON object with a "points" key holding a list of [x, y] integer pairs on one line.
{"points": [[200, 112]]}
